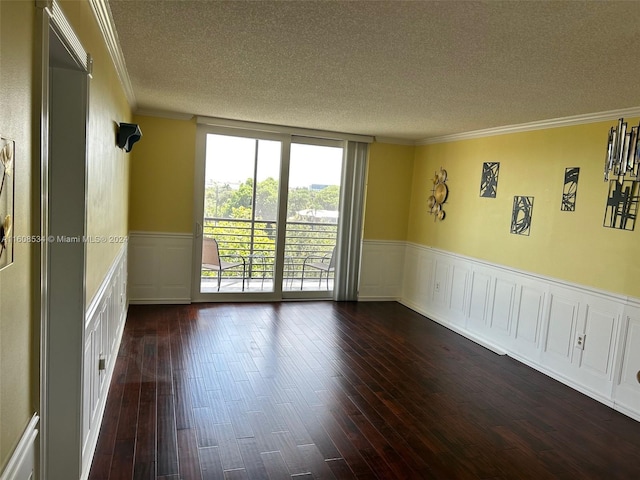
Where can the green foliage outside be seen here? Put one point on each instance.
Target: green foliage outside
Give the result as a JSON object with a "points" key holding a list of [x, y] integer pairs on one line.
{"points": [[228, 214]]}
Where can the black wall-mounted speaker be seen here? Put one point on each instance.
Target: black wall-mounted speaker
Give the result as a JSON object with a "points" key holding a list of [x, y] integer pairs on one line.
{"points": [[128, 134]]}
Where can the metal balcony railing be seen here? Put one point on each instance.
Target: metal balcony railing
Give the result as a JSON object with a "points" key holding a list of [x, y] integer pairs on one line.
{"points": [[255, 242]]}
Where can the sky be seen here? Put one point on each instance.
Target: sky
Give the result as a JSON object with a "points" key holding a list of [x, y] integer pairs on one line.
{"points": [[231, 160]]}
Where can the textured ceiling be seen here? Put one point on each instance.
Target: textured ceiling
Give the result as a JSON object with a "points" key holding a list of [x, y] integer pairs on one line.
{"points": [[409, 70]]}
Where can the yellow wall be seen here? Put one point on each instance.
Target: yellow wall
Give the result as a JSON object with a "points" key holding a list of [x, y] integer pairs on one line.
{"points": [[162, 181], [388, 194], [16, 90], [108, 166], [162, 176], [107, 200], [572, 246]]}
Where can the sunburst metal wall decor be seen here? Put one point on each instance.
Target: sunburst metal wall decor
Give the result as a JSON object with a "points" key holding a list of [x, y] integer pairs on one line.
{"points": [[439, 194]]}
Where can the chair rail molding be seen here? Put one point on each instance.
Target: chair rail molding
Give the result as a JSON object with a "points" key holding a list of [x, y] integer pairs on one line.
{"points": [[21, 465], [160, 267], [586, 338]]}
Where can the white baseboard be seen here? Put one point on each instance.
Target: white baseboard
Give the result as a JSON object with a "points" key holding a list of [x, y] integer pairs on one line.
{"points": [[629, 412], [23, 460], [566, 380], [377, 299], [474, 338], [160, 301]]}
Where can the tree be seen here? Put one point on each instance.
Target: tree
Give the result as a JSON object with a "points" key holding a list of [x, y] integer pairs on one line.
{"points": [[214, 197], [242, 197], [329, 197], [299, 199], [267, 199]]}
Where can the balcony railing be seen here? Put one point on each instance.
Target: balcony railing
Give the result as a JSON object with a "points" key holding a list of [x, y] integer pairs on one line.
{"points": [[255, 242]]}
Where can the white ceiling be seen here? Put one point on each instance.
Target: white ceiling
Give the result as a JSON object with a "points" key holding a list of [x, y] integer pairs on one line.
{"points": [[408, 70]]}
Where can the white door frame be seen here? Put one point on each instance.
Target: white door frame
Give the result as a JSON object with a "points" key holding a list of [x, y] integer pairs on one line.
{"points": [[59, 208]]}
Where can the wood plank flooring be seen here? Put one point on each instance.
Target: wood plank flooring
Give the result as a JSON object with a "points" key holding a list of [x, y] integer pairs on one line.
{"points": [[330, 390]]}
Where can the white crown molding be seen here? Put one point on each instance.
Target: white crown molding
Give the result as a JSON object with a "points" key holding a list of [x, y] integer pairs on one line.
{"points": [[395, 141], [102, 12], [145, 112], [538, 125]]}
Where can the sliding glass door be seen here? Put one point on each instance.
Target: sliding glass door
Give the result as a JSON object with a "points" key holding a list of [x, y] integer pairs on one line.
{"points": [[267, 215], [313, 212], [239, 224]]}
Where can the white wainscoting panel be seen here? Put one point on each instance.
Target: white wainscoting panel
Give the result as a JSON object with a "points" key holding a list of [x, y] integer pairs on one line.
{"points": [[441, 288], [561, 333], [381, 270], [626, 393], [160, 267], [21, 465], [479, 303], [528, 322], [596, 361], [502, 309], [535, 319], [104, 324], [459, 294]]}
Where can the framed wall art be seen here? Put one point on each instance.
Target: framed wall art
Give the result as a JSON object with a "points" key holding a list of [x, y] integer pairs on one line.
{"points": [[7, 149]]}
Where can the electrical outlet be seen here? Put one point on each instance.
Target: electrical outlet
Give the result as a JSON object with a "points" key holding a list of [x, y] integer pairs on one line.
{"points": [[437, 287], [580, 338]]}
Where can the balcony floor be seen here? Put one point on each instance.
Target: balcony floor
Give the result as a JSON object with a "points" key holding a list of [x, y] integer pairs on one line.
{"points": [[234, 285]]}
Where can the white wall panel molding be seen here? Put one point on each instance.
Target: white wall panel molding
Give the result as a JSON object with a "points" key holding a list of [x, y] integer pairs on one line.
{"points": [[525, 276], [104, 323], [626, 391], [584, 337], [529, 319], [381, 269], [22, 462], [459, 297], [160, 267]]}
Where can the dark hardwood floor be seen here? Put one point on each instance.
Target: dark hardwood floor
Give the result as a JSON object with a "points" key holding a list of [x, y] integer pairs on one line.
{"points": [[340, 390]]}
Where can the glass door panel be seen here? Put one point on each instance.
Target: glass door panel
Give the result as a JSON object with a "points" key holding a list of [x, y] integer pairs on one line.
{"points": [[313, 207], [240, 214]]}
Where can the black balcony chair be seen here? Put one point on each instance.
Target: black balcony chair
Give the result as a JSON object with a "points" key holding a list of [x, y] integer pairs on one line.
{"points": [[325, 263], [213, 261]]}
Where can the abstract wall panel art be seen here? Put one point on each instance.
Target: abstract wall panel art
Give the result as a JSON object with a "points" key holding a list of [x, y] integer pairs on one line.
{"points": [[521, 215], [622, 205], [570, 189], [489, 180]]}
